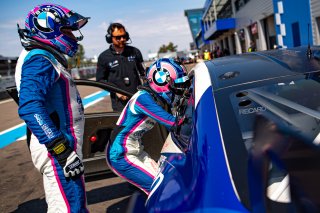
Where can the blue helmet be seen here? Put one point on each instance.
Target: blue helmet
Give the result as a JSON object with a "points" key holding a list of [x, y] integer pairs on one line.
{"points": [[52, 25], [166, 77]]}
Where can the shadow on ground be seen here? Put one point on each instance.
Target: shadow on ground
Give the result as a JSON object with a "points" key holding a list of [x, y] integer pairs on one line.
{"points": [[121, 206], [109, 193], [34, 206], [94, 196]]}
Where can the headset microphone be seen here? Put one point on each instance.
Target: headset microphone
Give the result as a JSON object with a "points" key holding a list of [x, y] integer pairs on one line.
{"points": [[79, 38], [127, 42]]}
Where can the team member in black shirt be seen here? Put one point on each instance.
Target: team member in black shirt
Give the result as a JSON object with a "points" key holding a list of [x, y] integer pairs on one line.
{"points": [[121, 65]]}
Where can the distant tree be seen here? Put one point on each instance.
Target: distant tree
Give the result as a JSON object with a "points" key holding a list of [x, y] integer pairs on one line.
{"points": [[168, 48], [163, 49], [78, 59], [171, 47]]}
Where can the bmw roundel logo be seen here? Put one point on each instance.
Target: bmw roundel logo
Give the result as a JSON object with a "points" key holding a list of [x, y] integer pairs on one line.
{"points": [[45, 19], [160, 77]]}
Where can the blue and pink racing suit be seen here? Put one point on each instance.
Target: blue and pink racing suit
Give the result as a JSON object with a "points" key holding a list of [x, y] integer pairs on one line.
{"points": [[51, 106], [125, 155]]}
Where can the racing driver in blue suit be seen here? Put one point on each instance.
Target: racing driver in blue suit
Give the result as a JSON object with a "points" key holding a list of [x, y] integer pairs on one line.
{"points": [[125, 155], [50, 104]]}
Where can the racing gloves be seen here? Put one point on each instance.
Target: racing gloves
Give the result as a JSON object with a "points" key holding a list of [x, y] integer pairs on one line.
{"points": [[67, 158]]}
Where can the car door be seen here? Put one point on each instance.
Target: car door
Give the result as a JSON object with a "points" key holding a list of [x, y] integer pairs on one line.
{"points": [[100, 120]]}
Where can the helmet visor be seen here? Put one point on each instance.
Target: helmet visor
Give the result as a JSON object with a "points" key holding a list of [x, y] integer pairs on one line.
{"points": [[181, 80], [74, 21], [179, 85]]}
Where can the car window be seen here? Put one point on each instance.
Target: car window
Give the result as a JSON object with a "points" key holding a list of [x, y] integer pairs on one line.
{"points": [[95, 99], [295, 103], [183, 132], [83, 72]]}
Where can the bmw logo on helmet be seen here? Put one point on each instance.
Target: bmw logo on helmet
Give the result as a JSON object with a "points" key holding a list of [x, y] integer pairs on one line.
{"points": [[160, 77], [45, 19]]}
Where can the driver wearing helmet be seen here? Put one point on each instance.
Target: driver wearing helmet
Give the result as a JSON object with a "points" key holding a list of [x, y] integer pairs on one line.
{"points": [[125, 155], [50, 104]]}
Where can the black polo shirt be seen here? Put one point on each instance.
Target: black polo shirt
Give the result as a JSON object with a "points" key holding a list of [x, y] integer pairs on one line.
{"points": [[115, 68]]}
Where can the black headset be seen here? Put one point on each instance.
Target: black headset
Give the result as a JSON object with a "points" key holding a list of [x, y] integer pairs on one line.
{"points": [[113, 26]]}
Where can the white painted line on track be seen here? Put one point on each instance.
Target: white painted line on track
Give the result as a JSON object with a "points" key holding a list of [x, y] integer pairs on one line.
{"points": [[14, 127], [93, 94], [22, 138], [93, 102], [6, 101]]}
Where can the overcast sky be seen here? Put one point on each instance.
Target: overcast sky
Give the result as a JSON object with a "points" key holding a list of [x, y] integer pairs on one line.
{"points": [[150, 23]]}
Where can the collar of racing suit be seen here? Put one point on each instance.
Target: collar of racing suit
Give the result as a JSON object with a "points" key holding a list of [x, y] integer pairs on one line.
{"points": [[155, 96], [37, 45]]}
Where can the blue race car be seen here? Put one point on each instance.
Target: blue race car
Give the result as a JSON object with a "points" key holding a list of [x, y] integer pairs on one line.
{"points": [[250, 138]]}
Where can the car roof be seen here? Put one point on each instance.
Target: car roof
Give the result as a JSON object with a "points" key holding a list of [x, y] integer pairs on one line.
{"points": [[262, 66]]}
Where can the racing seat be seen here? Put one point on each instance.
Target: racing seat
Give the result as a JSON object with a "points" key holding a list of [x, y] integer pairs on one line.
{"points": [[291, 152]]}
